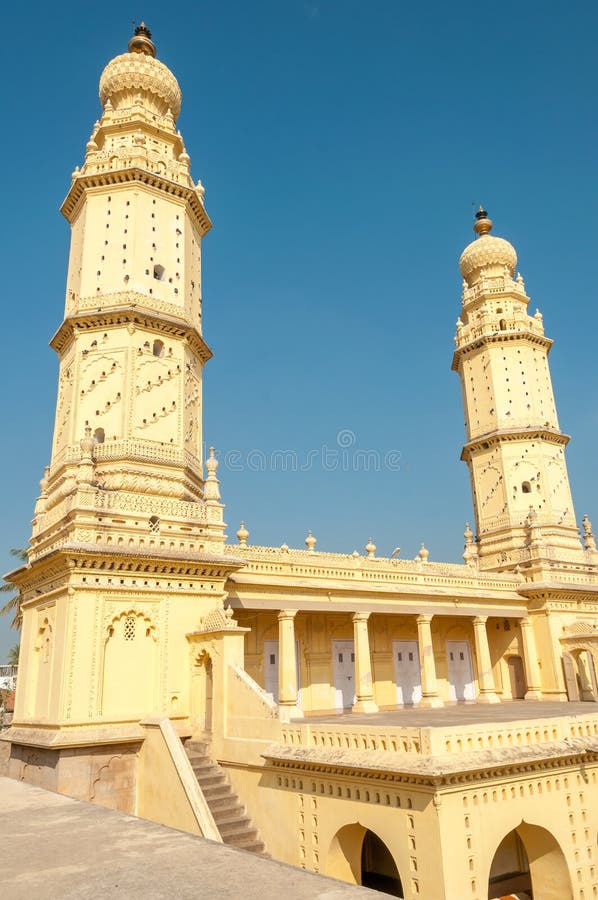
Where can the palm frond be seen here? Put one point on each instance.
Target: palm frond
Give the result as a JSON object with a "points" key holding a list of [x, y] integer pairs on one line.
{"points": [[12, 607]]}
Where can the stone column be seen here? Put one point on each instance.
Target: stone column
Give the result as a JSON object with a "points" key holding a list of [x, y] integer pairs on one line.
{"points": [[364, 686], [530, 661], [426, 662], [287, 664], [487, 690]]}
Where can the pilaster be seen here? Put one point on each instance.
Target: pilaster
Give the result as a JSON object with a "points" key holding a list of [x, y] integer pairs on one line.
{"points": [[487, 689], [364, 686], [430, 696]]}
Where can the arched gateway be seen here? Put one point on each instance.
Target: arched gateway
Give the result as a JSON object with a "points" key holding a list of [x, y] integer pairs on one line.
{"points": [[529, 863], [359, 856]]}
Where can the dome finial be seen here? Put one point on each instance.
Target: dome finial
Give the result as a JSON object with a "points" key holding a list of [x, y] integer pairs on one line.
{"points": [[141, 42], [482, 224]]}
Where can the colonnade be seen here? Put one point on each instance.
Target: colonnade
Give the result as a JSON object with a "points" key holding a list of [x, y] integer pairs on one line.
{"points": [[364, 682]]}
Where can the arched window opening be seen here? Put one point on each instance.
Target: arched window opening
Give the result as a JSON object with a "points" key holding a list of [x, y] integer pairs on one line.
{"points": [[159, 273], [158, 348], [526, 488], [99, 436], [502, 325], [154, 524]]}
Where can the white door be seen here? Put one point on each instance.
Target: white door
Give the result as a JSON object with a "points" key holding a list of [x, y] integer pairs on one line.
{"points": [[407, 672], [460, 673], [271, 669], [343, 654]]}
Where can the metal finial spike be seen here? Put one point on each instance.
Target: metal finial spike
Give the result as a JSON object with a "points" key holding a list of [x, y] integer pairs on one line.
{"points": [[141, 42], [482, 224]]}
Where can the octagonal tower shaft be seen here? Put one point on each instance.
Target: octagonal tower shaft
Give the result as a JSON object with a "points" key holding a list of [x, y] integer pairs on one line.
{"points": [[131, 351], [515, 450]]}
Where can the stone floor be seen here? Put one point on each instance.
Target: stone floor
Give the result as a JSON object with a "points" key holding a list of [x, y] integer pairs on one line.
{"points": [[457, 714], [56, 847]]}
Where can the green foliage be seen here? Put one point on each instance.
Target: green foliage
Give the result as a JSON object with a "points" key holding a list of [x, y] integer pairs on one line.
{"points": [[12, 657], [12, 607]]}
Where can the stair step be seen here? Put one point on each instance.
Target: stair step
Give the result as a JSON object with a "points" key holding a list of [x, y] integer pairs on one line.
{"points": [[253, 845], [218, 794], [226, 811], [235, 825], [230, 817], [198, 746], [214, 778], [203, 765], [195, 757]]}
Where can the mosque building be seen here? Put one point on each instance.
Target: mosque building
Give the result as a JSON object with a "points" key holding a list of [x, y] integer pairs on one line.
{"points": [[422, 728]]}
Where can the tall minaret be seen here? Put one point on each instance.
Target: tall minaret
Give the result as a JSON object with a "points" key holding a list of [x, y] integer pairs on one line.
{"points": [[515, 450], [126, 558], [130, 347]]}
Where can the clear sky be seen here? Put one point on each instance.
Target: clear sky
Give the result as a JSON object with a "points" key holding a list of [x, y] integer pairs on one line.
{"points": [[344, 147]]}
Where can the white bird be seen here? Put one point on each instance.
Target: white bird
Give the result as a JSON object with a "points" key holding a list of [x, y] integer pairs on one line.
{"points": [[396, 551]]}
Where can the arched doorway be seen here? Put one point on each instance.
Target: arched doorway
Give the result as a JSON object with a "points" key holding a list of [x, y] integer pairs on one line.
{"points": [[378, 868], [588, 688], [517, 677], [529, 863], [359, 856], [202, 693]]}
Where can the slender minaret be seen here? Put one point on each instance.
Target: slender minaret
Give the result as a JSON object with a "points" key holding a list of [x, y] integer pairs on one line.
{"points": [[126, 556], [515, 450], [130, 347]]}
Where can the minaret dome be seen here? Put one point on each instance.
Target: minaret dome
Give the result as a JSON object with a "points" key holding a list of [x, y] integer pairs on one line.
{"points": [[139, 72], [486, 254]]}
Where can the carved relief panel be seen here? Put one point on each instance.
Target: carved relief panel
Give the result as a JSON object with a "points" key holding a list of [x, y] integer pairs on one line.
{"points": [[192, 405], [157, 393], [101, 392], [64, 404]]}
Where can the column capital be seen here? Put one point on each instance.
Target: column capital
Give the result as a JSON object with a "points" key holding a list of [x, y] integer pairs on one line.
{"points": [[526, 622], [287, 614], [361, 616], [480, 620], [423, 619]]}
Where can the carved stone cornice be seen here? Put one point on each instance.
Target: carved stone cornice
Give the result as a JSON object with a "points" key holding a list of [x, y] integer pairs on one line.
{"points": [[499, 337], [91, 557], [132, 315], [466, 768], [502, 435], [82, 183]]}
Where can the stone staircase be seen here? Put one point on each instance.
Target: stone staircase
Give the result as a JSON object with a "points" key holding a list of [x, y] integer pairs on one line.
{"points": [[232, 821]]}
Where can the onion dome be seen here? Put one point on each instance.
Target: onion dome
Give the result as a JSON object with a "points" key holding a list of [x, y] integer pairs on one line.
{"points": [[138, 72], [486, 252]]}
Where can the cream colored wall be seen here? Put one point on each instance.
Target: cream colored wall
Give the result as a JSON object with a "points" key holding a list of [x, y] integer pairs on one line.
{"points": [[299, 816], [507, 385], [167, 789], [473, 822], [86, 679]]}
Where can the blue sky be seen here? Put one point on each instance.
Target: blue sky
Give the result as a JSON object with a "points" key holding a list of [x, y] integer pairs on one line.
{"points": [[344, 147]]}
